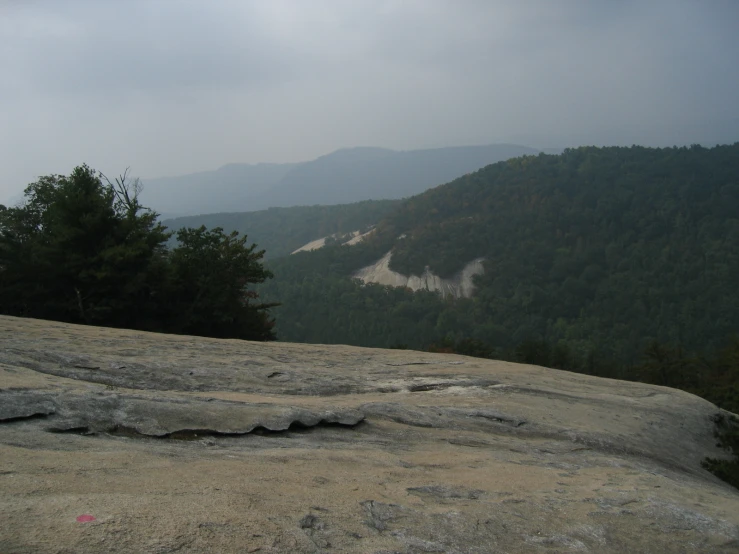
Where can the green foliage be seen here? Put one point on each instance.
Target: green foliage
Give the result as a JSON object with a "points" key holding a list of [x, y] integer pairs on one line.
{"points": [[626, 245], [211, 272], [78, 250], [320, 304], [82, 249], [604, 249]]}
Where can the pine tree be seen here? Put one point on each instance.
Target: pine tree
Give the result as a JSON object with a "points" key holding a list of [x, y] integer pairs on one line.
{"points": [[82, 249]]}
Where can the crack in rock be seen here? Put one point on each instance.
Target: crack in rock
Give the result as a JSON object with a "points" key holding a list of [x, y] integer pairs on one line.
{"points": [[176, 419], [35, 415], [82, 430], [423, 387], [199, 434], [438, 417]]}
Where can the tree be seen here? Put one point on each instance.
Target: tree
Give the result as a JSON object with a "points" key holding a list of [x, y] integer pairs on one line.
{"points": [[212, 272], [76, 251], [82, 249]]}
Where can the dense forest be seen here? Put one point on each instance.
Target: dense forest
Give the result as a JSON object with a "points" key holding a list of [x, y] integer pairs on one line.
{"points": [[604, 249], [82, 249], [280, 231]]}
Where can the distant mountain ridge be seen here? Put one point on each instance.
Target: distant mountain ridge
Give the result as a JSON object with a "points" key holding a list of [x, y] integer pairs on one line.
{"points": [[341, 177], [211, 191]]}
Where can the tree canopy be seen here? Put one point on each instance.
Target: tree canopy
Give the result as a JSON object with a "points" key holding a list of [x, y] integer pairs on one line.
{"points": [[82, 249], [606, 249]]}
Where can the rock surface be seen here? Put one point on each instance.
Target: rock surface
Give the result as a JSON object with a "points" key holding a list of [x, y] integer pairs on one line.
{"points": [[173, 443], [357, 237], [459, 286]]}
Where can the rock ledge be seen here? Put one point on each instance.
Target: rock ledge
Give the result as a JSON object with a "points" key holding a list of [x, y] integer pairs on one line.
{"points": [[176, 443]]}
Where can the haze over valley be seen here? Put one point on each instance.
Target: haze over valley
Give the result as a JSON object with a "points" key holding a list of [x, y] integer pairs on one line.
{"points": [[371, 276]]}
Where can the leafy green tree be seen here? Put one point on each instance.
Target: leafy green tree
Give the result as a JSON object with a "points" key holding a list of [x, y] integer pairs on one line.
{"points": [[82, 249], [79, 250], [211, 271]]}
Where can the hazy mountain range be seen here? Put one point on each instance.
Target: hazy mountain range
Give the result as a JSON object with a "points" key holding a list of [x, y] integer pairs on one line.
{"points": [[345, 176]]}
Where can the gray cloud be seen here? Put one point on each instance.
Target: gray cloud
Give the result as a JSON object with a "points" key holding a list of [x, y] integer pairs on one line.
{"points": [[144, 46], [171, 87]]}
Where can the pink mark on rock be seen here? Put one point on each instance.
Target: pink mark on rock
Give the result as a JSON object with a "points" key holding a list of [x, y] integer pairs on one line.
{"points": [[84, 518]]}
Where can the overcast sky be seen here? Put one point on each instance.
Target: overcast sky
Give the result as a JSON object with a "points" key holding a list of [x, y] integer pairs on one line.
{"points": [[173, 87]]}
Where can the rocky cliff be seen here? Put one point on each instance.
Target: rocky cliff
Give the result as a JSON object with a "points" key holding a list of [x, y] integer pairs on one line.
{"points": [[461, 285], [123, 441]]}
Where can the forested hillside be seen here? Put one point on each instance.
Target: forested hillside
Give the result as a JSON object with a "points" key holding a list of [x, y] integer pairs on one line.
{"points": [[601, 249], [282, 230]]}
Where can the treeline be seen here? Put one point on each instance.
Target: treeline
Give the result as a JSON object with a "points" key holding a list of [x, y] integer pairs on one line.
{"points": [[81, 249]]}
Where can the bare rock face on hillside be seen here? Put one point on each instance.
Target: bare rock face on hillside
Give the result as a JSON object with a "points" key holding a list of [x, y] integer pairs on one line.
{"points": [[122, 441], [460, 286]]}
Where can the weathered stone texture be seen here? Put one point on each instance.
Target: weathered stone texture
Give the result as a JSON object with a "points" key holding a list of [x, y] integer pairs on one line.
{"points": [[186, 444]]}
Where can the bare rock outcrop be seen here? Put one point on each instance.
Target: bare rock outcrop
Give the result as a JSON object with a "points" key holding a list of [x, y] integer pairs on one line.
{"points": [[124, 441], [459, 286], [356, 238]]}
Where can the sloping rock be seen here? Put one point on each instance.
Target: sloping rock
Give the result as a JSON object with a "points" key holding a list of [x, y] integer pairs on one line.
{"points": [[176, 443], [312, 245], [357, 237], [459, 286]]}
